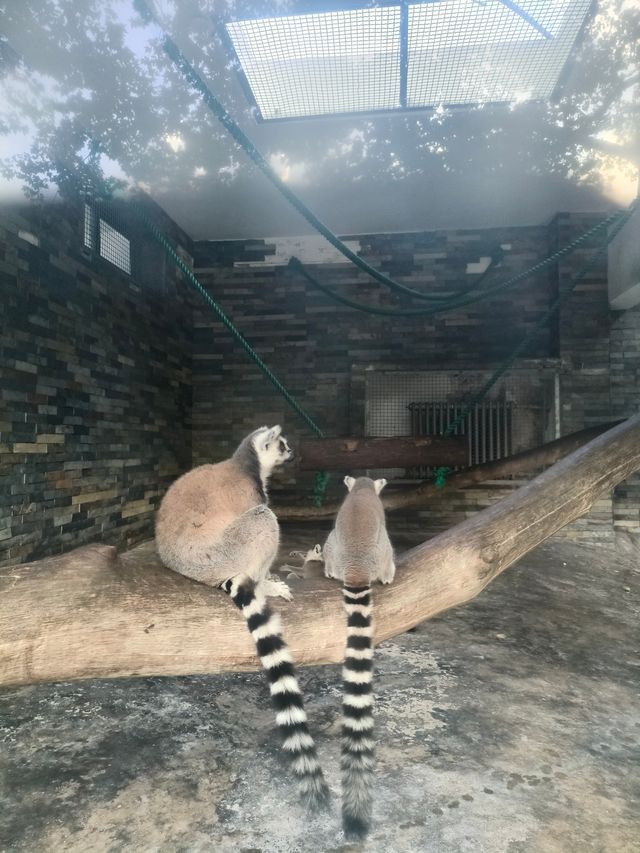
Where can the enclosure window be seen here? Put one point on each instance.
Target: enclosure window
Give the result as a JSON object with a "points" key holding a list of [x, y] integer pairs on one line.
{"points": [[112, 245]]}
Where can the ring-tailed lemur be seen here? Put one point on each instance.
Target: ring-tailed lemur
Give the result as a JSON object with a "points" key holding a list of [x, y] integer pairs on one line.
{"points": [[214, 526], [358, 552], [312, 566]]}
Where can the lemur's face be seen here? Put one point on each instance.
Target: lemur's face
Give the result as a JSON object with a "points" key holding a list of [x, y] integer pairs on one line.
{"points": [[272, 448]]}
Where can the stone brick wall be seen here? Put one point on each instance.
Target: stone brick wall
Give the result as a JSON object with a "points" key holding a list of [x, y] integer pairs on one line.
{"points": [[321, 350], [112, 385], [314, 345], [95, 387]]}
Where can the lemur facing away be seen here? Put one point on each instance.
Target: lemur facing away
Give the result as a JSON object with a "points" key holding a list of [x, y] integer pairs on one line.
{"points": [[358, 552], [214, 526]]}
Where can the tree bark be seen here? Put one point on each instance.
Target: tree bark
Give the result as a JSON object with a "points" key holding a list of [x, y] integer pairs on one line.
{"points": [[356, 454], [519, 463], [90, 614]]}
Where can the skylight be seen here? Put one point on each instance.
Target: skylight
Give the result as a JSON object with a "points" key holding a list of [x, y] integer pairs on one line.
{"points": [[407, 56], [337, 62]]}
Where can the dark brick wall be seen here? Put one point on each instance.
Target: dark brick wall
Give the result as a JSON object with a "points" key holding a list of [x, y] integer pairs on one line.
{"points": [[95, 399], [98, 369], [314, 345], [321, 351]]}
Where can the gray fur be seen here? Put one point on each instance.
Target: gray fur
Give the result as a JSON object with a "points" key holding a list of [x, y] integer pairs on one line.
{"points": [[214, 522], [358, 550]]}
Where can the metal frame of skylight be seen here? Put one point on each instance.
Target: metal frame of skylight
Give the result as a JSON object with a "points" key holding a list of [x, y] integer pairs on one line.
{"points": [[403, 5]]}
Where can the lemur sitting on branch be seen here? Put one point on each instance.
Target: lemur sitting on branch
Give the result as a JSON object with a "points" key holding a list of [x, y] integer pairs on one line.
{"points": [[214, 526]]}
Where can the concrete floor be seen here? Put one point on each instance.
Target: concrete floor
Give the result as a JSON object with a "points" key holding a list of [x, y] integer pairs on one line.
{"points": [[510, 725]]}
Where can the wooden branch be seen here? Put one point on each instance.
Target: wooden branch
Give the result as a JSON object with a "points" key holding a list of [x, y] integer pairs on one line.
{"points": [[90, 614], [357, 454], [519, 463]]}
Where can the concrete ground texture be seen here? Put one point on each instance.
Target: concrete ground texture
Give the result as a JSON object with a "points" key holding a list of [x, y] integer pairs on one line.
{"points": [[508, 725]]}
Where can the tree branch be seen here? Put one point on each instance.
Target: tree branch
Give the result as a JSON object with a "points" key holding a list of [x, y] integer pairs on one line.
{"points": [[519, 463], [89, 614]]}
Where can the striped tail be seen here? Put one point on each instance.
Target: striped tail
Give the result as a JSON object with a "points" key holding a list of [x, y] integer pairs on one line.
{"points": [[357, 726], [286, 697]]}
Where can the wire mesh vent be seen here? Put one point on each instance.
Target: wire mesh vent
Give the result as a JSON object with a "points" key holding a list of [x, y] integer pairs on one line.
{"points": [[110, 243], [115, 247]]}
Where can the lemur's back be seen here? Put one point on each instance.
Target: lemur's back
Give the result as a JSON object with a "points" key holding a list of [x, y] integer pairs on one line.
{"points": [[203, 502], [358, 525], [203, 521]]}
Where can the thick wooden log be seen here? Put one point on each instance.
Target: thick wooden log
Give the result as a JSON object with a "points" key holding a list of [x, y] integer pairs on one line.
{"points": [[89, 614], [419, 495], [357, 454]]}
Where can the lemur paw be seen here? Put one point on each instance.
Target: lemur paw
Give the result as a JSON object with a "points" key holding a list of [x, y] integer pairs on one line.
{"points": [[276, 589]]}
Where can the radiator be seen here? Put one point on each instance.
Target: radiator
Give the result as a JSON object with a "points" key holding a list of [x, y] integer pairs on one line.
{"points": [[488, 426]]}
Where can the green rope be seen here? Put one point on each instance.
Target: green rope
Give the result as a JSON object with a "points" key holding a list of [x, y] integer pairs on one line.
{"points": [[244, 343], [195, 80], [320, 487], [462, 299], [440, 474]]}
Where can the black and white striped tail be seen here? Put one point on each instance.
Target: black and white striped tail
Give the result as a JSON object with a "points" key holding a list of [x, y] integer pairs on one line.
{"points": [[357, 757], [286, 697]]}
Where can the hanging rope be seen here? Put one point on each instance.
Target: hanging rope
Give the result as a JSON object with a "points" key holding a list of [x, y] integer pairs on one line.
{"points": [[239, 337], [440, 474], [213, 104], [461, 299]]}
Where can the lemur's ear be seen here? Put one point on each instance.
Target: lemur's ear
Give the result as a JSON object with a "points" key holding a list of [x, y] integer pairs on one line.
{"points": [[379, 485], [266, 435], [272, 435], [317, 551], [349, 482]]}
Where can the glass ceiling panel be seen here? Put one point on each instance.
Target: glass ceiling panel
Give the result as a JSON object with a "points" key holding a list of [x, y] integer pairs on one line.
{"points": [[387, 58]]}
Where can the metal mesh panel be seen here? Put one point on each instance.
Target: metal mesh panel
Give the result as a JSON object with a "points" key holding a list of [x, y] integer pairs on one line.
{"points": [[89, 227], [302, 65], [516, 415], [115, 247], [465, 51], [372, 59]]}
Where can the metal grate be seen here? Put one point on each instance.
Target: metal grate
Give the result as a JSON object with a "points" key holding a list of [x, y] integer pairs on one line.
{"points": [[110, 243], [405, 56], [472, 52], [115, 247], [339, 62], [488, 426]]}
